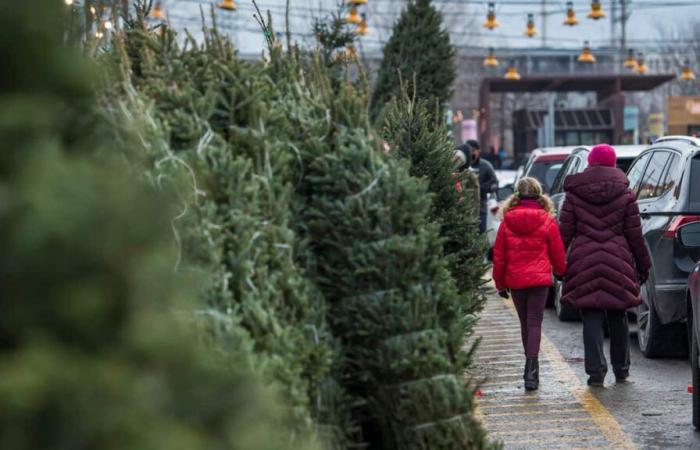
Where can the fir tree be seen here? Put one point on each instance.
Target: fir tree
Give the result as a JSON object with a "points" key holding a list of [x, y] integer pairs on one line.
{"points": [[423, 140], [93, 350], [419, 49]]}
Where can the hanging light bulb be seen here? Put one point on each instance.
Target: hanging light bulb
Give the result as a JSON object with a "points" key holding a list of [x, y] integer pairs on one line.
{"points": [[687, 74], [362, 28], [357, 2], [491, 21], [571, 19], [586, 55], [68, 2], [228, 5], [93, 11], [353, 17], [490, 60], [630, 61], [596, 11], [530, 30], [512, 72], [99, 34], [641, 65], [157, 12], [108, 25]]}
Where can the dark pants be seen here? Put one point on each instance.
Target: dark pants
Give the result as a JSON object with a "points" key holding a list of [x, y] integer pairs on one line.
{"points": [[593, 339], [482, 219], [530, 305]]}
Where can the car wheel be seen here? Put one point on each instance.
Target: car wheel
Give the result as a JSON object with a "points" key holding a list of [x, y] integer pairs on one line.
{"points": [[565, 313], [656, 340], [695, 368]]}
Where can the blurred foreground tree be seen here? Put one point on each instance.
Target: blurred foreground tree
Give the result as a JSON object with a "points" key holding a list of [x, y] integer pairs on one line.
{"points": [[96, 344]]}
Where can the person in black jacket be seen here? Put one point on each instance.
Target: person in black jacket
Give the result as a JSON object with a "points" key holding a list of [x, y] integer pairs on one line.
{"points": [[488, 182]]}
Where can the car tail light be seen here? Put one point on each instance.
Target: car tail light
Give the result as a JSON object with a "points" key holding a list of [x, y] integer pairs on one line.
{"points": [[678, 222]]}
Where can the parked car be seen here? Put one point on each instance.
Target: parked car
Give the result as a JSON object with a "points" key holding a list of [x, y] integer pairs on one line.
{"points": [[666, 179], [544, 164], [575, 163], [689, 238], [505, 186]]}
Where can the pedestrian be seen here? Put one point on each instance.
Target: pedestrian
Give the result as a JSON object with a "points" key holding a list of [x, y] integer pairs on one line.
{"points": [[488, 182], [608, 259], [528, 249]]}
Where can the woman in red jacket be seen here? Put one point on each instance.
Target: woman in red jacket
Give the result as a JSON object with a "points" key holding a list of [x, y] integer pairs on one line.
{"points": [[528, 246]]}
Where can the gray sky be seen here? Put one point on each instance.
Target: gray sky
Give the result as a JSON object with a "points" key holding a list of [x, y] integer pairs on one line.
{"points": [[462, 17]]}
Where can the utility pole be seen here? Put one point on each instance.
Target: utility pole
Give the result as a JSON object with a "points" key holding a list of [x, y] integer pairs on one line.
{"points": [[613, 23], [623, 20], [544, 23]]}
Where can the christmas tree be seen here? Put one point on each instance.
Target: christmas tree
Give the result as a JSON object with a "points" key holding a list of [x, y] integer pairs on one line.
{"points": [[422, 138], [418, 50], [96, 347]]}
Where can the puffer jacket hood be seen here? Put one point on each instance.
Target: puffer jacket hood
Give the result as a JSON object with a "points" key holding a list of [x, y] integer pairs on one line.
{"points": [[526, 220], [597, 184]]}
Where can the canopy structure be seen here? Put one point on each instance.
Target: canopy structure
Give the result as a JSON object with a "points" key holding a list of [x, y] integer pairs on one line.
{"points": [[608, 88]]}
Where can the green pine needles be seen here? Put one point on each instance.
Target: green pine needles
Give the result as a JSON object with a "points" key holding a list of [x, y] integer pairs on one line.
{"points": [[419, 49]]}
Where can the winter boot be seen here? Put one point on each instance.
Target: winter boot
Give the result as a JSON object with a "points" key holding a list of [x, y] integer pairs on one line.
{"points": [[532, 374]]}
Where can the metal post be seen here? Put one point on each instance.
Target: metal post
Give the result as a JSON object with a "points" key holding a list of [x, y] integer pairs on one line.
{"points": [[623, 24], [544, 23], [613, 23]]}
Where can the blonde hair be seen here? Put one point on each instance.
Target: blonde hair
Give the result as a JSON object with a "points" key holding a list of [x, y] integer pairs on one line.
{"points": [[527, 187]]}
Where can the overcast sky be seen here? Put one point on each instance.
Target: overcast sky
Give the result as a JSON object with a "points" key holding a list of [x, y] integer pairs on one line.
{"points": [[462, 17]]}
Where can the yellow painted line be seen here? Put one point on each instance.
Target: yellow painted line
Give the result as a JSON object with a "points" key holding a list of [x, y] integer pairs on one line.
{"points": [[528, 404], [543, 421], [531, 413], [610, 428], [547, 430]]}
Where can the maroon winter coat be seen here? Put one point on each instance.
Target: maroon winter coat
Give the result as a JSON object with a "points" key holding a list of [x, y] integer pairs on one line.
{"points": [[600, 227]]}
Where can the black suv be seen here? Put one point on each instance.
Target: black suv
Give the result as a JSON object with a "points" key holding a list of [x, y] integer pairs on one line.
{"points": [[666, 178]]}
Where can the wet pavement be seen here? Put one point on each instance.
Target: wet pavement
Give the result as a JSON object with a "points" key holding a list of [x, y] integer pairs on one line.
{"points": [[652, 410]]}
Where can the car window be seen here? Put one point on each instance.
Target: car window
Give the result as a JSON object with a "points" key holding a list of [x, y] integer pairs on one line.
{"points": [[545, 172], [694, 194], [624, 163], [636, 171], [558, 183], [668, 177], [653, 175]]}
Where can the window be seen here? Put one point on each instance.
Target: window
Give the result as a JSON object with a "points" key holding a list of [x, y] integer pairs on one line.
{"points": [[668, 178], [636, 171], [569, 167], [653, 174], [695, 180]]}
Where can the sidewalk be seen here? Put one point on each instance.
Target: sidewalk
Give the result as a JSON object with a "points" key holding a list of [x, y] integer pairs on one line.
{"points": [[563, 413]]}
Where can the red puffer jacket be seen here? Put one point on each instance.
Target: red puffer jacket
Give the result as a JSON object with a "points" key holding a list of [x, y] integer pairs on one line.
{"points": [[528, 245]]}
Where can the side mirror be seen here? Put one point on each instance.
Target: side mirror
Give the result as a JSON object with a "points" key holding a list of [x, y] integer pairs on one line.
{"points": [[689, 235], [504, 192]]}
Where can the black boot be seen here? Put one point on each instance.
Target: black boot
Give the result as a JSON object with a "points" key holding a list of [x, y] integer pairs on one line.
{"points": [[532, 374]]}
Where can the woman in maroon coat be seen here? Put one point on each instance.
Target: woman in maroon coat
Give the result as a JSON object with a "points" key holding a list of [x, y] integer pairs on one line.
{"points": [[607, 261]]}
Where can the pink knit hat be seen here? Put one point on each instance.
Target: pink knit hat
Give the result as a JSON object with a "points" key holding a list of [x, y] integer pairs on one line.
{"points": [[602, 155]]}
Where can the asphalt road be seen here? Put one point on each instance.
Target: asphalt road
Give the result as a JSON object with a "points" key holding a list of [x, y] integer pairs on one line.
{"points": [[653, 408]]}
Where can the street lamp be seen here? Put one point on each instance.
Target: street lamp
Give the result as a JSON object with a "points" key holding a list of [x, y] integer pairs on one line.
{"points": [[228, 5], [630, 61], [512, 72], [586, 55], [687, 74], [530, 30], [491, 21], [641, 65], [490, 60], [571, 19], [596, 12]]}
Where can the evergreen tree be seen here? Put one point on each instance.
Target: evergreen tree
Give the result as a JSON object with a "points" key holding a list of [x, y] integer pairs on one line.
{"points": [[93, 352], [419, 50], [423, 140]]}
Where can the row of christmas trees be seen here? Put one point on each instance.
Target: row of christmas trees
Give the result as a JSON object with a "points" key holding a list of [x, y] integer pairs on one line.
{"points": [[204, 252]]}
